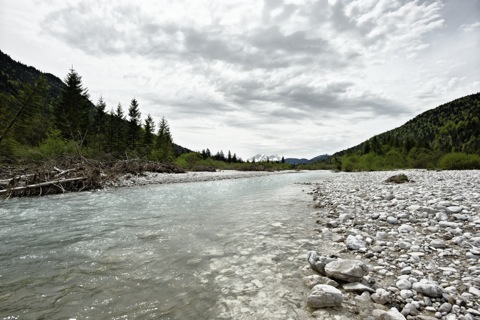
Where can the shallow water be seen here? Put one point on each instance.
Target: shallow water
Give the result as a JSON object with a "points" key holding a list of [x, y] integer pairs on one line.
{"points": [[231, 249]]}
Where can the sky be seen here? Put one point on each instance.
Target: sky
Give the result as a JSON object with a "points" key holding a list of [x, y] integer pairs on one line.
{"points": [[289, 77]]}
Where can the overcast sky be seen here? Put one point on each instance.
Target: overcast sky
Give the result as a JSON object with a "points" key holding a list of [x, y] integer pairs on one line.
{"points": [[295, 78]]}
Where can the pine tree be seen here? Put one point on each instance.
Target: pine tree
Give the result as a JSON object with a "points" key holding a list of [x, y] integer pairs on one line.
{"points": [[99, 123], [72, 112], [164, 151], [119, 120], [133, 124], [148, 134]]}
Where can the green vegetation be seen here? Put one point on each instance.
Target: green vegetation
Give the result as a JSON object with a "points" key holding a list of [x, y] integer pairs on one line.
{"points": [[43, 118], [447, 137]]}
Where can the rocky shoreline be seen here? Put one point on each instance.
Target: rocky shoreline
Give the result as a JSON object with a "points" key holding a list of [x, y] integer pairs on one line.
{"points": [[399, 251], [146, 178]]}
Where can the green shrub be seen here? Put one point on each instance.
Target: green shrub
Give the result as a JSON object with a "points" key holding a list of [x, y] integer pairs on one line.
{"points": [[459, 161]]}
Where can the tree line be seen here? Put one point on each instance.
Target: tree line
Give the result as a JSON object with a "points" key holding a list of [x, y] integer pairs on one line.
{"points": [[34, 122], [441, 138]]}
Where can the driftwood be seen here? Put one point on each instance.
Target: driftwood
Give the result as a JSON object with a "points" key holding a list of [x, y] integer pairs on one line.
{"points": [[81, 174], [56, 183]]}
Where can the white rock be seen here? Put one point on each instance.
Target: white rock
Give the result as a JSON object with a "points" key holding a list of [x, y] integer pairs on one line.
{"points": [[346, 270], [392, 314], [353, 243], [438, 243], [392, 220], [428, 288], [405, 228], [323, 296], [381, 296], [403, 284], [454, 209]]}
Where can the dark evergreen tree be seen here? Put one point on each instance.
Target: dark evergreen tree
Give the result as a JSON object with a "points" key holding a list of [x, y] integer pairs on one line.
{"points": [[120, 132], [133, 124], [72, 113], [99, 124], [164, 144], [148, 136]]}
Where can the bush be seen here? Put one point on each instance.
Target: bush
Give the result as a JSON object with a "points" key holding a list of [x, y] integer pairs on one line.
{"points": [[459, 161]]}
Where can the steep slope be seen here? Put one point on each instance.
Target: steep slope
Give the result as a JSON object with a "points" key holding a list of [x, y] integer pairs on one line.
{"points": [[13, 74], [451, 127]]}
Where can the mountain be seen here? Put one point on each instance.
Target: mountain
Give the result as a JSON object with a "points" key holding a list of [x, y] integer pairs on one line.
{"points": [[13, 73], [295, 161], [453, 127], [15, 78], [319, 158], [265, 158]]}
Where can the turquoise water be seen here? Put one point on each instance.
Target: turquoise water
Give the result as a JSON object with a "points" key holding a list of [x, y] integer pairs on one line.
{"points": [[230, 249]]}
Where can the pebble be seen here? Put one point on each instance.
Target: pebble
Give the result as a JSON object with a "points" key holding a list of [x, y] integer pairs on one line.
{"points": [[421, 240]]}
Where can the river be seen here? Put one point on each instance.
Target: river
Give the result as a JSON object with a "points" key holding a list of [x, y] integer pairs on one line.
{"points": [[230, 249]]}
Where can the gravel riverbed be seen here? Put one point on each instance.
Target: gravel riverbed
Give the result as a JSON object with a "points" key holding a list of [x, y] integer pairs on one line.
{"points": [[146, 178], [415, 244]]}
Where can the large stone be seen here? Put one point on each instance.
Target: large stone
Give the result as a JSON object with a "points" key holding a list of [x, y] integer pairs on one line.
{"points": [[318, 262], [428, 288], [346, 270], [324, 296], [392, 314]]}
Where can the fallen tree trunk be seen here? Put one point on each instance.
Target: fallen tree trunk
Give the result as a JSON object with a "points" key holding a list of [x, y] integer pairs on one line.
{"points": [[42, 184]]}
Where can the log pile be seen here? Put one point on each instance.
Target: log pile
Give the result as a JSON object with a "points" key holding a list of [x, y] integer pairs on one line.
{"points": [[71, 175]]}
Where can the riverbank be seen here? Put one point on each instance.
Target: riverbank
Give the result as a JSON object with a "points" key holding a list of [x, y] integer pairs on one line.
{"points": [[80, 174], [146, 178], [420, 241]]}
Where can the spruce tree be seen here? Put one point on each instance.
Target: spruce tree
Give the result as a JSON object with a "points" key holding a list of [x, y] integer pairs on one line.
{"points": [[164, 151], [72, 112], [148, 135], [99, 123], [119, 120], [133, 124]]}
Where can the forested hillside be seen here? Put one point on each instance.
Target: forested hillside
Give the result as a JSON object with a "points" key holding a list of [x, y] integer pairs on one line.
{"points": [[42, 117], [451, 129]]}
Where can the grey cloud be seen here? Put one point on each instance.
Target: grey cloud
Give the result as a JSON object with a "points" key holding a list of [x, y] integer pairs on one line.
{"points": [[272, 39], [84, 28]]}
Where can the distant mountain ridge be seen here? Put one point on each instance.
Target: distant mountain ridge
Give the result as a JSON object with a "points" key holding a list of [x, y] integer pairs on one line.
{"points": [[293, 161], [264, 158]]}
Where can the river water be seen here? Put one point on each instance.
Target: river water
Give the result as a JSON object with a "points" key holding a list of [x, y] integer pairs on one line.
{"points": [[230, 249]]}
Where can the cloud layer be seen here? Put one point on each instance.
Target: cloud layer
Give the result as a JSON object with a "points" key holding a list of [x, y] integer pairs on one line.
{"points": [[301, 68]]}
